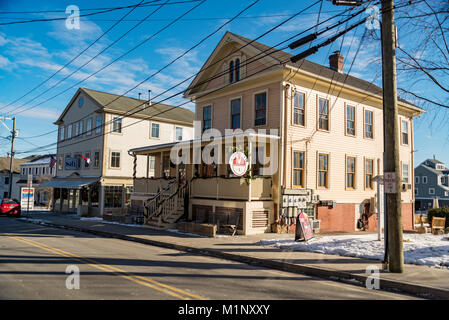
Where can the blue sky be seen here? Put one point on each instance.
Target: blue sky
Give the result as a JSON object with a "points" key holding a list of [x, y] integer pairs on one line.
{"points": [[29, 53]]}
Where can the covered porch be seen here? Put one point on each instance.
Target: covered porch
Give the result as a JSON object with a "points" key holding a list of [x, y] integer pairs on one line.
{"points": [[212, 188], [79, 196]]}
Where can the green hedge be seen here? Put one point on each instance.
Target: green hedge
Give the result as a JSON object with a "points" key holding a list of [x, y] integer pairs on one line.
{"points": [[439, 212]]}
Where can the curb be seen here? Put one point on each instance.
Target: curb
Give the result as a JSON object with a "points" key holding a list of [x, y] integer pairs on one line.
{"points": [[332, 274]]}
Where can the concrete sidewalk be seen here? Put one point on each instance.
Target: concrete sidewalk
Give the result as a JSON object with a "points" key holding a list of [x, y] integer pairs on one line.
{"points": [[417, 280]]}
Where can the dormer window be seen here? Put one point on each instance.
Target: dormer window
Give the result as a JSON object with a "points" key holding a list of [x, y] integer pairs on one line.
{"points": [[234, 70]]}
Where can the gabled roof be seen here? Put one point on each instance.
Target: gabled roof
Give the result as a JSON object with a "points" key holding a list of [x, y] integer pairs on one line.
{"points": [[303, 65], [424, 164], [4, 164], [109, 102]]}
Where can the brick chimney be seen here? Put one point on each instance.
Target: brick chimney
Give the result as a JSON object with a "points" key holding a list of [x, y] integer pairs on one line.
{"points": [[336, 61]]}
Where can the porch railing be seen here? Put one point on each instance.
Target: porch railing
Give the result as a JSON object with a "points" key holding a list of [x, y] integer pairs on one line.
{"points": [[259, 188]]}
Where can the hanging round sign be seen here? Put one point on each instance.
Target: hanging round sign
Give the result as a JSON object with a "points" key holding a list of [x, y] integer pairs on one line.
{"points": [[239, 163]]}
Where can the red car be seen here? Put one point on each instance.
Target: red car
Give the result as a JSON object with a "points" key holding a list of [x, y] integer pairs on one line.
{"points": [[10, 207]]}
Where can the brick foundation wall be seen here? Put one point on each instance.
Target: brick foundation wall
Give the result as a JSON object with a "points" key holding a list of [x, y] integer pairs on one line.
{"points": [[407, 216], [340, 218]]}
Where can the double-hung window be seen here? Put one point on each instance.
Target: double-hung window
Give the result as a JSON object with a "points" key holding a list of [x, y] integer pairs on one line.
{"points": [[298, 169], [115, 159], [368, 124], [298, 108], [405, 176], [207, 118], [350, 120], [96, 163], [323, 114], [154, 130], [404, 132], [69, 131], [178, 133], [98, 124], [235, 113], [323, 170], [369, 173], [350, 172], [117, 125], [89, 126], [77, 129], [61, 133], [261, 109]]}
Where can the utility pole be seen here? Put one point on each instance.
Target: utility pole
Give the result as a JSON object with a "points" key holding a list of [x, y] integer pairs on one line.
{"points": [[391, 143], [13, 136], [394, 254]]}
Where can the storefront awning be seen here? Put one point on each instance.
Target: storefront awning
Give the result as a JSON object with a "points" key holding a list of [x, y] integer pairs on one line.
{"points": [[67, 184]]}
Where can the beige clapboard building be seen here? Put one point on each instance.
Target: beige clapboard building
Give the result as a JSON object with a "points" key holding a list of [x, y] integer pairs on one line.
{"points": [[102, 127], [328, 144]]}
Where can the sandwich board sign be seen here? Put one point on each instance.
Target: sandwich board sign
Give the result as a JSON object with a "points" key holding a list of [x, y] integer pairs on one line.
{"points": [[27, 198], [304, 230]]}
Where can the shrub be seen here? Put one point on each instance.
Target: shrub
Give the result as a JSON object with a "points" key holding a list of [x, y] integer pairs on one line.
{"points": [[439, 212]]}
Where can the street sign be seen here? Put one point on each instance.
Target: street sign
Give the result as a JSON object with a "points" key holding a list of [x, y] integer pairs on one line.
{"points": [[390, 182], [27, 198]]}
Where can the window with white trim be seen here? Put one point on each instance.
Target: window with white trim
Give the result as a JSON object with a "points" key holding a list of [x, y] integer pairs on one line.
{"points": [[431, 190], [404, 132], [115, 159], [154, 130], [260, 109]]}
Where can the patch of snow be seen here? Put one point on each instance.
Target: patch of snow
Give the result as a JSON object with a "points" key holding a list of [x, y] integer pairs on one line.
{"points": [[186, 233], [91, 219], [419, 249]]}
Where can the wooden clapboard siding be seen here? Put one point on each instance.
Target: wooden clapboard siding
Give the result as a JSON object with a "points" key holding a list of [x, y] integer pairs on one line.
{"points": [[337, 144]]}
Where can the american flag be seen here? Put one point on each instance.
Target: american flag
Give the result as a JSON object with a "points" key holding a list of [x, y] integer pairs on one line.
{"points": [[52, 162]]}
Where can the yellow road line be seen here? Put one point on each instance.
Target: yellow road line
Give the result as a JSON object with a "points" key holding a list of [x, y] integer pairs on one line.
{"points": [[108, 268]]}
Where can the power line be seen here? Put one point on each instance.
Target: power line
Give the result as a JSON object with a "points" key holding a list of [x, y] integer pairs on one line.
{"points": [[94, 57], [145, 4], [191, 19], [76, 57], [65, 18], [146, 118], [115, 60], [225, 71], [204, 69]]}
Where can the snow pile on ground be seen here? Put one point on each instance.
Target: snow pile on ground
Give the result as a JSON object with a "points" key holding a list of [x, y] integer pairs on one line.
{"points": [[109, 222], [420, 249]]}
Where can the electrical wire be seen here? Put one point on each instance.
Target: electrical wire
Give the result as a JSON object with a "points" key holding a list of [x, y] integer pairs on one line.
{"points": [[76, 57], [118, 58], [204, 69], [93, 58]]}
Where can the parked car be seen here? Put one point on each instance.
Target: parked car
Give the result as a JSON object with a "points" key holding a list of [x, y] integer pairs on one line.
{"points": [[10, 207]]}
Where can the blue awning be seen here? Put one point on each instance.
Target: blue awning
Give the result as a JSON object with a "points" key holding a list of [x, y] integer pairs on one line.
{"points": [[67, 184]]}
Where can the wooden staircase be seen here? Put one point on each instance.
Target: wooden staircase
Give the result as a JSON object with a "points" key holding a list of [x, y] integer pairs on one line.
{"points": [[165, 209]]}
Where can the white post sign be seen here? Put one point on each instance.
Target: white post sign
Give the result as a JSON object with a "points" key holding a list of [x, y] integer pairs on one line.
{"points": [[27, 198], [390, 182]]}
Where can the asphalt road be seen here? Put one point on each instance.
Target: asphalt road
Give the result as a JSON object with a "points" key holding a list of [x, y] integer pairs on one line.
{"points": [[34, 260]]}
